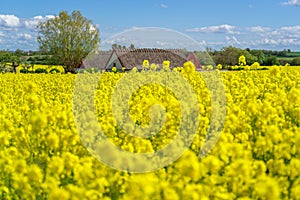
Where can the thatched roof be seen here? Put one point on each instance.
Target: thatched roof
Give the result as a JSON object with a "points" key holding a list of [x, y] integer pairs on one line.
{"points": [[98, 60], [130, 58]]}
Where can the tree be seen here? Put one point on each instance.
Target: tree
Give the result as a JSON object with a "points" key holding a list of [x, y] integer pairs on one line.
{"points": [[131, 46], [270, 61], [249, 57], [69, 38], [296, 61], [19, 52], [122, 47], [227, 56], [259, 54], [114, 46], [5, 56]]}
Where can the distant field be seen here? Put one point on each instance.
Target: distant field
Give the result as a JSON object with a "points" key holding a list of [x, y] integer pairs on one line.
{"points": [[293, 54], [286, 58]]}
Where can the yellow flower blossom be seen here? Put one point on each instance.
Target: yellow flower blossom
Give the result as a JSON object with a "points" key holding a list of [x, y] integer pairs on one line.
{"points": [[42, 156]]}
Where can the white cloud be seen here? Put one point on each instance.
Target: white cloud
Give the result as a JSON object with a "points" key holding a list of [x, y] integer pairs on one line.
{"points": [[286, 32], [162, 44], [203, 43], [24, 36], [259, 29], [289, 31], [291, 28], [275, 42], [9, 21], [19, 32], [163, 6], [38, 17], [27, 36], [269, 41], [232, 40], [49, 17], [265, 35], [292, 2], [225, 28], [252, 37], [33, 22]]}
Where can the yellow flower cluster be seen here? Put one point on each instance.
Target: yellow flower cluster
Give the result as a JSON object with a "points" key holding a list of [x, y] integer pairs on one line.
{"points": [[256, 157]]}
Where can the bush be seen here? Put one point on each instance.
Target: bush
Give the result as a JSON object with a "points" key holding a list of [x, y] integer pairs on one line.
{"points": [[40, 71], [272, 60], [295, 61], [235, 68], [24, 71], [262, 68], [54, 70]]}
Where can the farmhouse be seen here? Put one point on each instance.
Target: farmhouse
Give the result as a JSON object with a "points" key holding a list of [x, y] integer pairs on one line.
{"points": [[97, 60], [129, 58]]}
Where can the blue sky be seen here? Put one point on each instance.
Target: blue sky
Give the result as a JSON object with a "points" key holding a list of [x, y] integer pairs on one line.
{"points": [[257, 24]]}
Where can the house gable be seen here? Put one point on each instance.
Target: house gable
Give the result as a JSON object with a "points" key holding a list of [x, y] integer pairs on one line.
{"points": [[193, 58], [114, 61]]}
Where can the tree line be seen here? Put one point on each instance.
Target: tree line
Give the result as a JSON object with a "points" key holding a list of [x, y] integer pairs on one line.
{"points": [[67, 39], [228, 56]]}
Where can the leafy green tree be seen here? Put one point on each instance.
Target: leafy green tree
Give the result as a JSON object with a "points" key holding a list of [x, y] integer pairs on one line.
{"points": [[114, 46], [259, 54], [9, 63], [5, 56], [227, 56], [271, 60], [69, 38], [122, 47], [249, 57], [131, 46], [19, 52]]}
